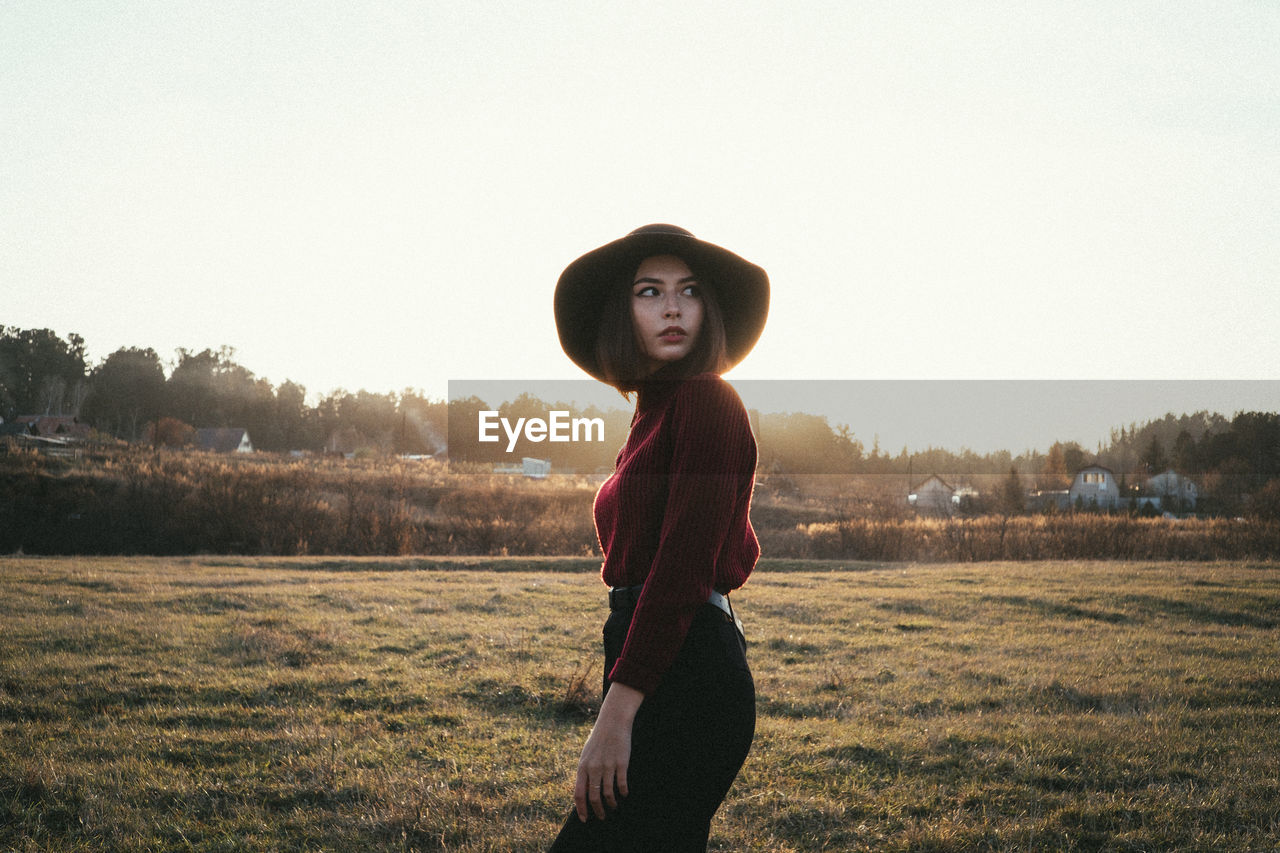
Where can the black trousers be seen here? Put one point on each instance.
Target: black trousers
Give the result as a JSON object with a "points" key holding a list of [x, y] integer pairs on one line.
{"points": [[689, 739]]}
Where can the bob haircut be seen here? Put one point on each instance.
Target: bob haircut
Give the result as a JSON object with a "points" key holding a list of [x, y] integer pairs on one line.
{"points": [[620, 359]]}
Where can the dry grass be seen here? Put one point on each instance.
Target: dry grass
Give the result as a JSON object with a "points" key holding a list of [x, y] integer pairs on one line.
{"points": [[137, 501], [1072, 536], [140, 501], [307, 704]]}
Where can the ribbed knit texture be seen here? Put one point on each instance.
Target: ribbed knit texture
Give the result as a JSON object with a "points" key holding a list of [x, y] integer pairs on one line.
{"points": [[674, 515]]}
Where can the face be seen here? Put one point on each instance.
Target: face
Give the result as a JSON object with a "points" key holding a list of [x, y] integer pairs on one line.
{"points": [[666, 310]]}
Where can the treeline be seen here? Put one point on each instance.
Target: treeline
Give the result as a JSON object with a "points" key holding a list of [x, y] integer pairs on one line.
{"points": [[130, 395], [798, 443], [1240, 454]]}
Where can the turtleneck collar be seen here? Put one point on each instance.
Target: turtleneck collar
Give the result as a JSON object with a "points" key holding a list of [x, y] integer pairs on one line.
{"points": [[654, 393]]}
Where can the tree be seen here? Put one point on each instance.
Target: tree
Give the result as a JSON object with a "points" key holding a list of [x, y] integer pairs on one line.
{"points": [[40, 373], [463, 437], [190, 395], [424, 424], [1074, 457], [1184, 453], [372, 415], [1054, 473], [125, 392], [1012, 497], [209, 389], [170, 432], [1256, 440], [801, 443], [1266, 503], [291, 420], [1153, 457]]}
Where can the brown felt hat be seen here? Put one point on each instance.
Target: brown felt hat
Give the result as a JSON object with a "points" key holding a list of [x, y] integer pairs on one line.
{"points": [[741, 289]]}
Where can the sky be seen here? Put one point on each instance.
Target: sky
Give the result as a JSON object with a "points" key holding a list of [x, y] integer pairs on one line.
{"points": [[381, 195]]}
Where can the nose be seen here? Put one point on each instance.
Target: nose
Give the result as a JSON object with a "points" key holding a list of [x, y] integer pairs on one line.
{"points": [[671, 307]]}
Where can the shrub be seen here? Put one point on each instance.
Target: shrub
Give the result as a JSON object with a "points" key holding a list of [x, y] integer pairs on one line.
{"points": [[165, 502]]}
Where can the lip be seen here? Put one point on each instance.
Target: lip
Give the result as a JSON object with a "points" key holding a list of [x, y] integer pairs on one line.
{"points": [[673, 334]]}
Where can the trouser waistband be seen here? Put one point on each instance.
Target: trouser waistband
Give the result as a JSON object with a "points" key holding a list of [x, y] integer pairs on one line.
{"points": [[626, 597]]}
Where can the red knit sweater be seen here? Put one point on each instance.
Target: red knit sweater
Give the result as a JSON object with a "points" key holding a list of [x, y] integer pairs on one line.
{"points": [[674, 515]]}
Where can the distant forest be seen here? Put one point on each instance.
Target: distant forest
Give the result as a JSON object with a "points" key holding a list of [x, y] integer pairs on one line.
{"points": [[131, 396]]}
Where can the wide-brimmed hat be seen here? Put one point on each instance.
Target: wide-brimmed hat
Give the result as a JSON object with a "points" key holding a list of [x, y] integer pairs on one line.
{"points": [[741, 289]]}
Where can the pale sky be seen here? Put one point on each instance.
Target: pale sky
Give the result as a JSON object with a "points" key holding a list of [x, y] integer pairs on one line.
{"points": [[381, 195]]}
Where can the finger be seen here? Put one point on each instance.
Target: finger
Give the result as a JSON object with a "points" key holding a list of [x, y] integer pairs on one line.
{"points": [[622, 780], [593, 794], [610, 798], [580, 796]]}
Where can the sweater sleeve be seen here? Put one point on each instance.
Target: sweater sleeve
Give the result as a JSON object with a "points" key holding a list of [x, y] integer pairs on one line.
{"points": [[709, 485]]}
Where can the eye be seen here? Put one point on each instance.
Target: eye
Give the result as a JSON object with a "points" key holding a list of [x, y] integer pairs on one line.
{"points": [[692, 290], [646, 290]]}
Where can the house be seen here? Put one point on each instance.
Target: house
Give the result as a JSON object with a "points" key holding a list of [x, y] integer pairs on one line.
{"points": [[1095, 486], [933, 497], [53, 426], [224, 440], [536, 469], [1175, 490]]}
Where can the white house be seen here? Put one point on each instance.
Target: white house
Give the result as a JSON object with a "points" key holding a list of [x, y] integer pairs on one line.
{"points": [[1171, 484], [933, 497], [1095, 485], [537, 469]]}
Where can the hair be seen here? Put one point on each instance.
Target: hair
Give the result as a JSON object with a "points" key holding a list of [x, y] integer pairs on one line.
{"points": [[620, 360]]}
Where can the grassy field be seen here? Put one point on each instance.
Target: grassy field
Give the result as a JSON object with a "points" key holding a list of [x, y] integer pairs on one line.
{"points": [[398, 704]]}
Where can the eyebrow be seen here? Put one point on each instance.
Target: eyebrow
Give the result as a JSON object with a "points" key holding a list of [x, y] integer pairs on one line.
{"points": [[648, 280]]}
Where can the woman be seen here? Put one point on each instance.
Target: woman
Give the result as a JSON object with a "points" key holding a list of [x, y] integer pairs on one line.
{"points": [[661, 314]]}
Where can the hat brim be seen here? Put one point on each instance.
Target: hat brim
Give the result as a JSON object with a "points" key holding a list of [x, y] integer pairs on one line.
{"points": [[741, 289]]}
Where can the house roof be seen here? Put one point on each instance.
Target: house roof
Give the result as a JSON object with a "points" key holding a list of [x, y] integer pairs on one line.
{"points": [[220, 439], [1096, 468], [1169, 474], [933, 477], [53, 425]]}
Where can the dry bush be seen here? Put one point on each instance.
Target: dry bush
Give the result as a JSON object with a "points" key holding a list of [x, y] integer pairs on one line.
{"points": [[1070, 536], [143, 501]]}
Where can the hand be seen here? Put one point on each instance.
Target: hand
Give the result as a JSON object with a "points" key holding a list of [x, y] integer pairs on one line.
{"points": [[603, 766]]}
